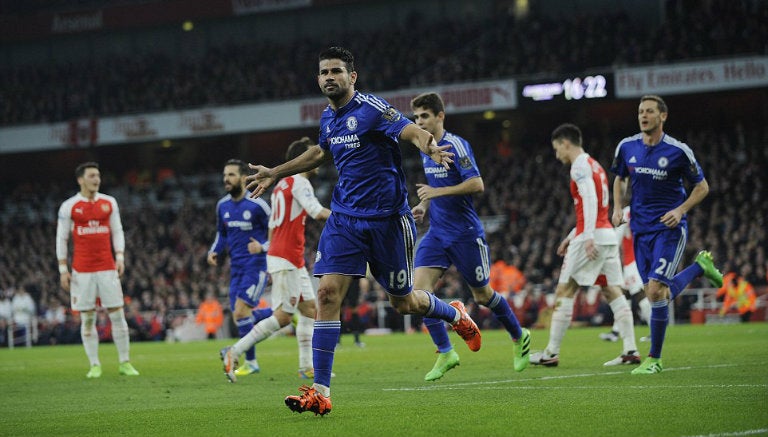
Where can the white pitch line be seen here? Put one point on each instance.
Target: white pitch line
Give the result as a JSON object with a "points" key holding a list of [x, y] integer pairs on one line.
{"points": [[547, 378], [594, 387], [735, 433]]}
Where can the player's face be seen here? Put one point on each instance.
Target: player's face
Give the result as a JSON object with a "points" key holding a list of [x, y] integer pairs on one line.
{"points": [[334, 79], [561, 147], [90, 180], [427, 120], [233, 180], [649, 117]]}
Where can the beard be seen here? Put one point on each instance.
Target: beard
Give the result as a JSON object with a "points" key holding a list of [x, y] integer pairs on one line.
{"points": [[334, 93], [235, 190]]}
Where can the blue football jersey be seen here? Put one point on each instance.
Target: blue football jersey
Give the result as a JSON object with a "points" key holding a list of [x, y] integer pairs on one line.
{"points": [[454, 217], [362, 138], [236, 223], [656, 176]]}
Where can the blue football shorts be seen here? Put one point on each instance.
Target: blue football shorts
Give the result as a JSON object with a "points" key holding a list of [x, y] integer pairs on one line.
{"points": [[658, 254], [350, 245], [471, 257], [247, 286]]}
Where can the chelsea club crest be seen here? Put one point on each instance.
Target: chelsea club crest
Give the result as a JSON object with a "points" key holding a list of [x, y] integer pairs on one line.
{"points": [[352, 123]]}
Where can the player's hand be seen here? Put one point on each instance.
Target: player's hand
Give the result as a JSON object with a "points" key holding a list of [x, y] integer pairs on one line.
{"points": [[254, 246], [425, 192], [419, 211], [213, 259], [672, 218], [562, 249], [120, 264], [259, 181], [617, 218], [64, 280], [439, 154], [590, 249]]}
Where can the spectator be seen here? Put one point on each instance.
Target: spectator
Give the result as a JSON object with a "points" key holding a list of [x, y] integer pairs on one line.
{"points": [[210, 314], [6, 315], [24, 314], [737, 293]]}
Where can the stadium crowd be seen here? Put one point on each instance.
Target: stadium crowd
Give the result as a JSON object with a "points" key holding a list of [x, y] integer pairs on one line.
{"points": [[465, 49], [169, 226]]}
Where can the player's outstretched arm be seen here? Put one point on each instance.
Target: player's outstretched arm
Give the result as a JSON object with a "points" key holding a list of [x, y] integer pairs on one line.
{"points": [[264, 177], [427, 144]]}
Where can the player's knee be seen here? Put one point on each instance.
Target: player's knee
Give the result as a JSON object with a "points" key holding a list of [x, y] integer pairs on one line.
{"points": [[240, 313], [283, 318], [328, 296], [408, 304], [402, 307], [566, 290], [482, 294], [656, 291]]}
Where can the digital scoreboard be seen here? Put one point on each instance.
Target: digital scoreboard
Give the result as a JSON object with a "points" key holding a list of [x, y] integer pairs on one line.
{"points": [[565, 89]]}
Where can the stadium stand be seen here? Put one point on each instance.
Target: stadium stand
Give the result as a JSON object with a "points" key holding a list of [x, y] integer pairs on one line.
{"points": [[466, 49], [169, 220]]}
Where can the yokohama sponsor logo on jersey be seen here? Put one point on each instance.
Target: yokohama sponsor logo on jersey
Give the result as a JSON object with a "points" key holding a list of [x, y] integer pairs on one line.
{"points": [[655, 172]]}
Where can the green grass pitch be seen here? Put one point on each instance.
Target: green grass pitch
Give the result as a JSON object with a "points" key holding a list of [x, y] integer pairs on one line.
{"points": [[715, 383]]}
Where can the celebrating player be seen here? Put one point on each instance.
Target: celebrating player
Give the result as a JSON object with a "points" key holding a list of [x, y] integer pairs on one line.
{"points": [[371, 224], [455, 235], [292, 200], [655, 165], [242, 225]]}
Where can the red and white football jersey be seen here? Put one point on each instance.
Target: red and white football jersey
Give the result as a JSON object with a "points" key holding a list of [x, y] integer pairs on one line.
{"points": [[96, 230], [293, 198], [589, 188]]}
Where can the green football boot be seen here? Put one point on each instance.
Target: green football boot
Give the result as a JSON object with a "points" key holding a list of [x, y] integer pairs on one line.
{"points": [[95, 372], [650, 366], [127, 369], [445, 362], [704, 259], [522, 351]]}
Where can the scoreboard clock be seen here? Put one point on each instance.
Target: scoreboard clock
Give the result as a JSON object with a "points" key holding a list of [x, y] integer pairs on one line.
{"points": [[571, 88]]}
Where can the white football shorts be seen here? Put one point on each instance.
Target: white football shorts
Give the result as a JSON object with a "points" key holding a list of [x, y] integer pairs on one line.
{"points": [[585, 271], [632, 280], [289, 287], [86, 287]]}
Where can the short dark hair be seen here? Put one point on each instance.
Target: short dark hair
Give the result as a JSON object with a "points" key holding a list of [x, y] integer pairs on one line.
{"points": [[567, 131], [80, 170], [431, 101], [241, 165], [297, 148], [659, 101], [339, 53]]}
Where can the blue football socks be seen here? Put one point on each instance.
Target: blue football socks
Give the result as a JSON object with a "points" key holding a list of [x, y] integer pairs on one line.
{"points": [[439, 334], [685, 277], [439, 309], [324, 341], [659, 321], [504, 314]]}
